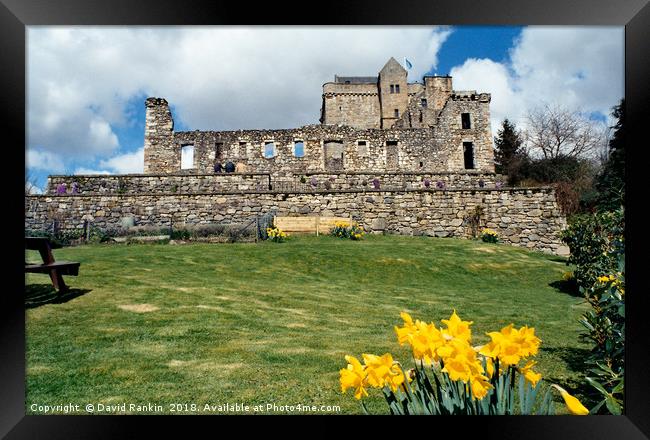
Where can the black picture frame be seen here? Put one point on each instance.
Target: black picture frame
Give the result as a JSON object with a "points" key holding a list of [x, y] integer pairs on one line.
{"points": [[633, 14]]}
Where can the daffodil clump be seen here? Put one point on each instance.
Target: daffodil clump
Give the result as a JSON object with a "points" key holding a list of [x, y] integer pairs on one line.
{"points": [[276, 234], [451, 376], [346, 230], [489, 236]]}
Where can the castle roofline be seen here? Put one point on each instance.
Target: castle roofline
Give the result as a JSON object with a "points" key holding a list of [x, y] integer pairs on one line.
{"points": [[355, 79]]}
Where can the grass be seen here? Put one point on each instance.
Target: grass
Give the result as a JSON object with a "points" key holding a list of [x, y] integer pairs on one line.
{"points": [[268, 323]]}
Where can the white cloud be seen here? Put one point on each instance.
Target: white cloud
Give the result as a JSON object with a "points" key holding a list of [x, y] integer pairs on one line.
{"points": [[81, 79], [129, 163], [575, 67], [43, 160], [83, 171]]}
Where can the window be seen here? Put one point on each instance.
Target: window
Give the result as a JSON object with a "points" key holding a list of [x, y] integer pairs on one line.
{"points": [[392, 88], [299, 149], [187, 157], [347, 82], [421, 164], [423, 102], [397, 113], [396, 88], [218, 150], [420, 116], [465, 120], [468, 155], [269, 149], [362, 148]]}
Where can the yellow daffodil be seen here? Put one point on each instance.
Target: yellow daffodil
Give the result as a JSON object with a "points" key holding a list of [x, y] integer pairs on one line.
{"points": [[573, 405], [489, 367], [480, 386], [529, 374], [353, 376], [377, 368], [457, 328]]}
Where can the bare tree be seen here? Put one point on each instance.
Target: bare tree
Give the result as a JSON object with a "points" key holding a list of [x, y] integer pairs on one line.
{"points": [[31, 186], [557, 131]]}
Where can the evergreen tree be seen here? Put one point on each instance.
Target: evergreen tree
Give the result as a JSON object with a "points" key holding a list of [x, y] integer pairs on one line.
{"points": [[508, 154], [610, 183]]}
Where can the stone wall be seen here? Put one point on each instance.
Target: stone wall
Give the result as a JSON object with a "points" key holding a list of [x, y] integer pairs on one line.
{"points": [[363, 150], [522, 217], [438, 148], [236, 182], [157, 183]]}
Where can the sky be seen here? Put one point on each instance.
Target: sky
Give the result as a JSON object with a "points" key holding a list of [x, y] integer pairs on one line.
{"points": [[86, 86]]}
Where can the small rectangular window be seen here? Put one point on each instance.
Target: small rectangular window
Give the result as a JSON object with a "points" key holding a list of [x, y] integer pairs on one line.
{"points": [[465, 121], [299, 149], [397, 113], [392, 88], [187, 157], [396, 88], [468, 155], [362, 148], [420, 116], [269, 149], [391, 143]]}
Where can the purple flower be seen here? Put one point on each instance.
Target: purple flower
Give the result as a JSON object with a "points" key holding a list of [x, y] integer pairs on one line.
{"points": [[427, 183], [375, 183], [61, 189], [313, 182], [440, 184], [499, 184], [75, 188], [481, 183], [332, 178]]}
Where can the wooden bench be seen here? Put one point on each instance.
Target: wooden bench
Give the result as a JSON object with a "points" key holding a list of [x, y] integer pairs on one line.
{"points": [[56, 269]]}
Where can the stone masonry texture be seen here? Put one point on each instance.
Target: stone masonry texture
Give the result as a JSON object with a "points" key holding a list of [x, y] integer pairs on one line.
{"points": [[393, 155]]}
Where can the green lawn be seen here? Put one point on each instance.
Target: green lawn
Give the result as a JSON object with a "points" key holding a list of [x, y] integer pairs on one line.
{"points": [[270, 323]]}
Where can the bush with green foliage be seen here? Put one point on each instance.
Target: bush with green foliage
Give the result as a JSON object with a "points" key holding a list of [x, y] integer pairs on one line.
{"points": [[598, 251], [596, 241]]}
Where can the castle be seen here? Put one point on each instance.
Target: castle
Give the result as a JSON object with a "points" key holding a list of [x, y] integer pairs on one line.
{"points": [[373, 124], [397, 157]]}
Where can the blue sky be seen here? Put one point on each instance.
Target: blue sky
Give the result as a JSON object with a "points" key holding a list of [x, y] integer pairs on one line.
{"points": [[86, 86]]}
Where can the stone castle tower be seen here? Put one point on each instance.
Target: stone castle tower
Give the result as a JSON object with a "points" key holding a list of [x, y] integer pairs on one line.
{"points": [[389, 101]]}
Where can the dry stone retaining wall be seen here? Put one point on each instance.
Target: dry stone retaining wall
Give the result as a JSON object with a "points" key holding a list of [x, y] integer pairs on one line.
{"points": [[522, 217]]}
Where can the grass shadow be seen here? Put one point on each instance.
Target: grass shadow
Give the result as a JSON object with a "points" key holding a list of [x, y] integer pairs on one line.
{"points": [[37, 295], [569, 287], [575, 359]]}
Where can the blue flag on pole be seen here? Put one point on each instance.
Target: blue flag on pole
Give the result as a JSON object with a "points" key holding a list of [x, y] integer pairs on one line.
{"points": [[408, 64]]}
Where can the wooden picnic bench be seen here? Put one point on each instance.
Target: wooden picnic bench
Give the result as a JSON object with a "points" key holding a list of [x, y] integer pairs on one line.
{"points": [[56, 269]]}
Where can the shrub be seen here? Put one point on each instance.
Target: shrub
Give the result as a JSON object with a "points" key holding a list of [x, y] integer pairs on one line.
{"points": [[276, 234], [595, 242], [440, 184], [451, 377], [375, 183], [598, 250], [346, 230], [489, 236], [341, 230], [427, 183]]}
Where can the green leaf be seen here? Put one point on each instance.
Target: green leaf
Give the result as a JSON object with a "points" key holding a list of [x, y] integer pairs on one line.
{"points": [[595, 409], [598, 386], [613, 406]]}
